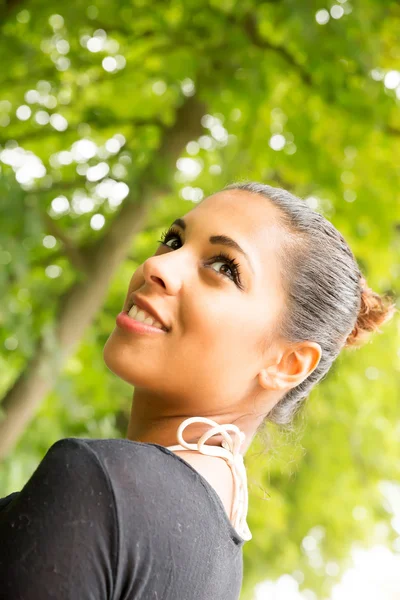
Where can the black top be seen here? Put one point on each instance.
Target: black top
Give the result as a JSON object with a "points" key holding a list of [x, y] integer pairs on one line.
{"points": [[117, 520]]}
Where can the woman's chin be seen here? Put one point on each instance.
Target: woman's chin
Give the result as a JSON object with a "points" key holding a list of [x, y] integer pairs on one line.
{"points": [[115, 357], [121, 361]]}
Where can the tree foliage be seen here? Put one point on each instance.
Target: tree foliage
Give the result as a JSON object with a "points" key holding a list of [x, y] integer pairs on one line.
{"points": [[114, 119]]}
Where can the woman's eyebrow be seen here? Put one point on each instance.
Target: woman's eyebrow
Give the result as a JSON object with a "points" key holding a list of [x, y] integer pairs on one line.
{"points": [[220, 239]]}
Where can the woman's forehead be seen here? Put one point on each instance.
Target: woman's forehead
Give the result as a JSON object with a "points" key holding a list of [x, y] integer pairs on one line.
{"points": [[251, 217]]}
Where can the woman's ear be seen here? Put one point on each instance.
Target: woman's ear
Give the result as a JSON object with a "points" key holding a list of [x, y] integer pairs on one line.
{"points": [[294, 366]]}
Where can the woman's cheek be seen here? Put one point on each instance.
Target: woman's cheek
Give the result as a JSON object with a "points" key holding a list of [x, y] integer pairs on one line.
{"points": [[135, 282]]}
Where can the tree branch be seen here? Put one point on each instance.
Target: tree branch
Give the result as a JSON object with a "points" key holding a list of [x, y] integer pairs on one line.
{"points": [[80, 304], [8, 8], [394, 131], [78, 260], [250, 27]]}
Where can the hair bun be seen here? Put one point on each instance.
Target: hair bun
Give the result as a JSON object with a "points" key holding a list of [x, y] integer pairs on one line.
{"points": [[374, 311]]}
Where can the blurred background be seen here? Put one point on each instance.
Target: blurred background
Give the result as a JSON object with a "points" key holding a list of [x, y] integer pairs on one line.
{"points": [[115, 118]]}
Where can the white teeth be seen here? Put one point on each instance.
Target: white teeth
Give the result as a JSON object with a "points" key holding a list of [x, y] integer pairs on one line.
{"points": [[132, 312], [140, 316], [143, 317]]}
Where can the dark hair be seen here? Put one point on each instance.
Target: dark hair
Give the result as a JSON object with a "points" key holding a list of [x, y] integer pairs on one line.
{"points": [[328, 301]]}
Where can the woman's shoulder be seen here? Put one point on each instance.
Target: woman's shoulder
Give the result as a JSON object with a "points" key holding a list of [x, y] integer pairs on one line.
{"points": [[116, 468], [72, 464], [7, 499], [63, 521], [86, 458], [94, 449], [120, 463], [68, 467]]}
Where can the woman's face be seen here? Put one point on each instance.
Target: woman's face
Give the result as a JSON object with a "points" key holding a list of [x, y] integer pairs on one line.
{"points": [[209, 360]]}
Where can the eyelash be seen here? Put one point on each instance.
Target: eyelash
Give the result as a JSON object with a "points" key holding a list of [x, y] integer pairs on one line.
{"points": [[233, 265]]}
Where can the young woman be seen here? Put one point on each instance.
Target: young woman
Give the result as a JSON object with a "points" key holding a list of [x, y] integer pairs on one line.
{"points": [[243, 308]]}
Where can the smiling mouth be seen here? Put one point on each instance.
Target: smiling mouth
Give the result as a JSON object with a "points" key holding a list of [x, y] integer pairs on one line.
{"points": [[140, 315]]}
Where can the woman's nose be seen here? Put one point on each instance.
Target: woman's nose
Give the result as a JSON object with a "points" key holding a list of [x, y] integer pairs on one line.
{"points": [[160, 270]]}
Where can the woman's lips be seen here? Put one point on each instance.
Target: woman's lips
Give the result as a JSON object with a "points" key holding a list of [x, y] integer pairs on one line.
{"points": [[129, 324]]}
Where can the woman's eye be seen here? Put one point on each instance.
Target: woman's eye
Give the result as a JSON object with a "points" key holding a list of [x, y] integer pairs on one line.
{"points": [[222, 262], [233, 268], [167, 236], [171, 238]]}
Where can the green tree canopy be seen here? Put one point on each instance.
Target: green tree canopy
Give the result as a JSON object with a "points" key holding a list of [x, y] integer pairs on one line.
{"points": [[114, 119]]}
